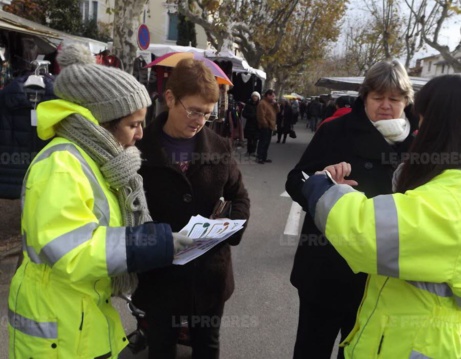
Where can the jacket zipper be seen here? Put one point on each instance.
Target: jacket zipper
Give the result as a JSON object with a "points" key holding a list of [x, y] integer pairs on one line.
{"points": [[81, 323], [380, 344]]}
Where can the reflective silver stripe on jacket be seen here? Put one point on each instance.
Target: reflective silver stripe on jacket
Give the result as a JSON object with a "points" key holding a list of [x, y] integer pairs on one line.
{"points": [[116, 251], [416, 355], [60, 246], [57, 248], [326, 203], [47, 330], [387, 244], [387, 236], [439, 289]]}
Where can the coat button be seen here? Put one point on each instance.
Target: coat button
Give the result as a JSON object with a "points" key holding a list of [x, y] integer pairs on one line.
{"points": [[54, 345], [187, 198], [368, 165]]}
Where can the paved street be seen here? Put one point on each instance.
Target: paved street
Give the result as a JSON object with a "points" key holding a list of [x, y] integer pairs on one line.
{"points": [[260, 319]]}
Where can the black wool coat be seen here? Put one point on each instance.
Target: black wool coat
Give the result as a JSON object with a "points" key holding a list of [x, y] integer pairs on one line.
{"points": [[251, 125], [351, 138], [285, 119], [173, 197]]}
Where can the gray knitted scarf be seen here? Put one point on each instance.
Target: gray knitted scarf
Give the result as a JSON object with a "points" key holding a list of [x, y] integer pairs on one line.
{"points": [[120, 168]]}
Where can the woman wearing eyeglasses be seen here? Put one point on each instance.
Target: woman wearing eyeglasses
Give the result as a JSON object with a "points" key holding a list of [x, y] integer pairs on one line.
{"points": [[186, 169]]}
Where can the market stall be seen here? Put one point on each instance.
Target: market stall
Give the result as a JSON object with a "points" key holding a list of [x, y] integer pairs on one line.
{"points": [[27, 58], [245, 78], [353, 83], [23, 41]]}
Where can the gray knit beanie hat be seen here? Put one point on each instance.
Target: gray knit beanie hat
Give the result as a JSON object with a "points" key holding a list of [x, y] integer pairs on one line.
{"points": [[109, 93]]}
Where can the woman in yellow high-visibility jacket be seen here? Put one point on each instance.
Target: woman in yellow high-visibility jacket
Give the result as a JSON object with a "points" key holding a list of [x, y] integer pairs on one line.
{"points": [[409, 242], [85, 223]]}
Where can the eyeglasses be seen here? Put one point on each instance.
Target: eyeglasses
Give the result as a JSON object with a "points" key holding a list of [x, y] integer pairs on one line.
{"points": [[195, 115]]}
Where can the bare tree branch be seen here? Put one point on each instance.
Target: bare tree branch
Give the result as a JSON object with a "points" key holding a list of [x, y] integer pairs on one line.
{"points": [[432, 21]]}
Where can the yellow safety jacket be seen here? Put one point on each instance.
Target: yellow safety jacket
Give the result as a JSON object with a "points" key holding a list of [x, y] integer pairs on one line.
{"points": [[60, 297], [410, 244]]}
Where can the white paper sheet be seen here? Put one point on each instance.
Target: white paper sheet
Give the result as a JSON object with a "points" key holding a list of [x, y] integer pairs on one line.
{"points": [[206, 233]]}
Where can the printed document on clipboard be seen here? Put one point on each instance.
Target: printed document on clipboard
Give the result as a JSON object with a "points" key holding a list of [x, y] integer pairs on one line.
{"points": [[206, 234]]}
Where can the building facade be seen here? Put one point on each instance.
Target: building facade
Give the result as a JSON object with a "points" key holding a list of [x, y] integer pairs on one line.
{"points": [[436, 65], [162, 20], [160, 17]]}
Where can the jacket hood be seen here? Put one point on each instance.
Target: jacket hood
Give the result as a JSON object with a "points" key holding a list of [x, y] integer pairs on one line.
{"points": [[50, 113]]}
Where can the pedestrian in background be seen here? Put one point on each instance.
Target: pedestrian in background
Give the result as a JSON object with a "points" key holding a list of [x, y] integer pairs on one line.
{"points": [[295, 109], [266, 114], [284, 121], [329, 107], [303, 108], [408, 242], [187, 167], [85, 223], [343, 107], [372, 138], [251, 131], [315, 110]]}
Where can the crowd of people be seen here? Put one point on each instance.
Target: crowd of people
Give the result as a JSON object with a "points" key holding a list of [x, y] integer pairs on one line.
{"points": [[264, 118], [104, 201]]}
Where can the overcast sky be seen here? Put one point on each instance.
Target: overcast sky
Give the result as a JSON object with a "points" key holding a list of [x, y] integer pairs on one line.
{"points": [[450, 35]]}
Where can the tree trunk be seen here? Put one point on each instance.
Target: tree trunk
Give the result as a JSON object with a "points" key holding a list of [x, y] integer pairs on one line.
{"points": [[126, 24]]}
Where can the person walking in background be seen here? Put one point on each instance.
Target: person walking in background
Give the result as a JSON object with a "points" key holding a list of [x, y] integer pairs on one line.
{"points": [[187, 167], [266, 114], [408, 242], [314, 114], [343, 107], [295, 109], [379, 127], [251, 131], [302, 109], [284, 121], [84, 216], [329, 107]]}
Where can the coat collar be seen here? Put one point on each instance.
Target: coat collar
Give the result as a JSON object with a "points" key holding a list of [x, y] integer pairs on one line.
{"points": [[368, 141], [154, 155]]}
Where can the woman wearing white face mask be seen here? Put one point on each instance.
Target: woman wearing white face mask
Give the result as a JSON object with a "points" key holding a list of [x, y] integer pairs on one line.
{"points": [[372, 137]]}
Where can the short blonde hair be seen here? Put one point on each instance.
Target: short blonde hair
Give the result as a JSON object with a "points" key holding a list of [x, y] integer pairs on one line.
{"points": [[387, 76]]}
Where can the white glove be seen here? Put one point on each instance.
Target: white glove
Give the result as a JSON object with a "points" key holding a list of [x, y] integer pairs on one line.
{"points": [[180, 242]]}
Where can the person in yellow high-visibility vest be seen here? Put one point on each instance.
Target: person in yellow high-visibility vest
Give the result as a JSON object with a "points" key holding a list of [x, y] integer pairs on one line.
{"points": [[408, 242], [85, 225], [372, 138]]}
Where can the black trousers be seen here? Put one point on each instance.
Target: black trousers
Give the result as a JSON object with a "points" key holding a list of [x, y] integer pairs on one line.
{"points": [[252, 141], [265, 136], [279, 136], [324, 310], [164, 327]]}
